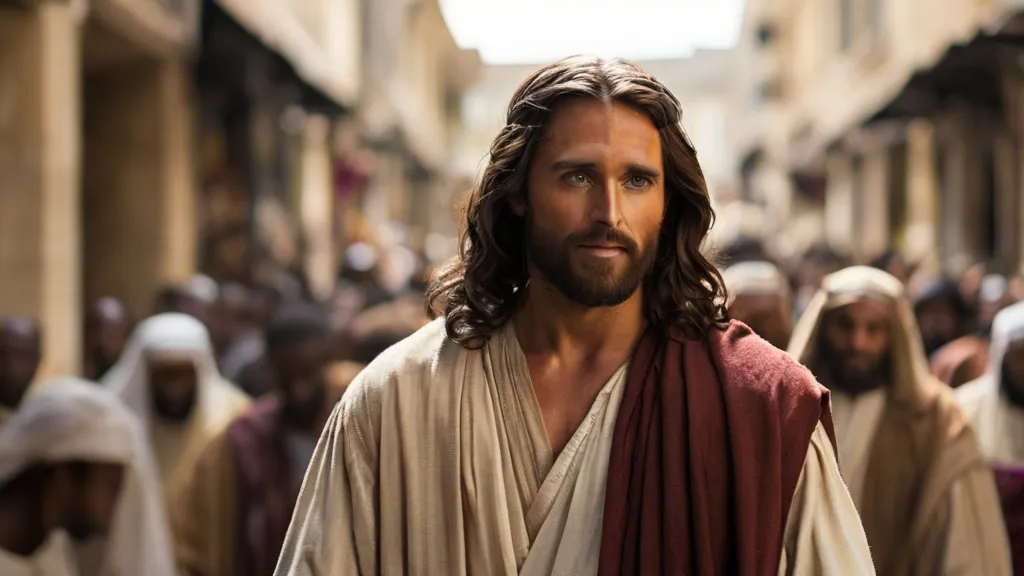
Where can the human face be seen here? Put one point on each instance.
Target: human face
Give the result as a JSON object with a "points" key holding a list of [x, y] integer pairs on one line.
{"points": [[765, 315], [107, 329], [939, 323], [856, 340], [94, 490], [299, 373], [173, 383], [595, 201], [1013, 365], [19, 359]]}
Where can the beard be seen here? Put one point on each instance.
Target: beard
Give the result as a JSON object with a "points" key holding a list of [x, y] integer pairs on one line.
{"points": [[304, 413], [177, 412], [854, 373], [590, 281], [1013, 388], [81, 528]]}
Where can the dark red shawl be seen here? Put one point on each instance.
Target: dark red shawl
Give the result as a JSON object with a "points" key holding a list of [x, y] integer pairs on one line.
{"points": [[709, 444], [265, 497]]}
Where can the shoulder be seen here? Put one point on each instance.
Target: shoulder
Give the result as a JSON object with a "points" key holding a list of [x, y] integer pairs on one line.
{"points": [[941, 413], [749, 361], [231, 397], [406, 367], [418, 354], [970, 396]]}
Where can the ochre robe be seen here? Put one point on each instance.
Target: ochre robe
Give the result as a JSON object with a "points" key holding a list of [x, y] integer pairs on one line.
{"points": [[437, 462]]}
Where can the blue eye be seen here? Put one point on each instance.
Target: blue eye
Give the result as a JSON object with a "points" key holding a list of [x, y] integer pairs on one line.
{"points": [[576, 179], [639, 182]]}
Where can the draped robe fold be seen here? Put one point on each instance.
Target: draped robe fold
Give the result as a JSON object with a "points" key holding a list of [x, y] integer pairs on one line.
{"points": [[437, 462]]}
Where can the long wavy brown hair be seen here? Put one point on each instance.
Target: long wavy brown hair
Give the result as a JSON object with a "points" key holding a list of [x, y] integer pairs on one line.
{"points": [[478, 291]]}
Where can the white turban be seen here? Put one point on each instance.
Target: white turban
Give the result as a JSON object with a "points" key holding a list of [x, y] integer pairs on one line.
{"points": [[756, 278], [75, 420], [1007, 329], [910, 376], [171, 335]]}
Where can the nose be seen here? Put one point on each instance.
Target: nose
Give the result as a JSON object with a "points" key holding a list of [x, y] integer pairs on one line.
{"points": [[860, 341], [605, 201]]}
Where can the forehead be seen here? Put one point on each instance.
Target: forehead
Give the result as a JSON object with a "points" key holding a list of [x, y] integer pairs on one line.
{"points": [[591, 129], [170, 363], [868, 311], [20, 335]]}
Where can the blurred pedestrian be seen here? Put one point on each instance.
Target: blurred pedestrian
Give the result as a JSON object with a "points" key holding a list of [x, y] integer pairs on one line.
{"points": [[233, 315], [168, 378], [107, 327], [760, 298], [20, 353], [74, 462], [375, 330], [941, 314], [915, 471], [241, 495], [966, 358], [584, 338], [892, 261], [994, 405]]}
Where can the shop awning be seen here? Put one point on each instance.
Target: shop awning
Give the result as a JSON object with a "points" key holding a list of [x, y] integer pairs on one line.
{"points": [[968, 72], [275, 24]]}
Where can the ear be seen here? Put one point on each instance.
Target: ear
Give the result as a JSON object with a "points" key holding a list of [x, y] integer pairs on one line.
{"points": [[518, 205]]}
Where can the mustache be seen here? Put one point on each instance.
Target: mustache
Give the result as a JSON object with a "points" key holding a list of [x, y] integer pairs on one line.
{"points": [[605, 235]]}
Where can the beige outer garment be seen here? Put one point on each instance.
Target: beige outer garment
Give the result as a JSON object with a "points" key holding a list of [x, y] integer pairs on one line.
{"points": [[965, 532], [437, 462]]}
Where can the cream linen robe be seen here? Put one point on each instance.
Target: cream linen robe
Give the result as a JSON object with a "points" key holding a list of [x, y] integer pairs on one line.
{"points": [[437, 462]]}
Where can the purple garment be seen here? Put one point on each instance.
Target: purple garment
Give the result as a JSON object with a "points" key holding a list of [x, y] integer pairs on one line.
{"points": [[1010, 482]]}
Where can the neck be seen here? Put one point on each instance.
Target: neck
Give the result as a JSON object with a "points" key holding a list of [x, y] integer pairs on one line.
{"points": [[26, 521], [549, 323]]}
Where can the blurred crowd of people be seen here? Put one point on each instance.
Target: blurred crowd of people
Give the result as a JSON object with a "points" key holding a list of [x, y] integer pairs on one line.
{"points": [[181, 447], [926, 374]]}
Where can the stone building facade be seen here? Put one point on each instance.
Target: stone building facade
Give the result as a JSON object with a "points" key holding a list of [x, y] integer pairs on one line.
{"points": [[896, 122]]}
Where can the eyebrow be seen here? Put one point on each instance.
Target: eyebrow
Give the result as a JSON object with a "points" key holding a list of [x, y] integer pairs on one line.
{"points": [[633, 167]]}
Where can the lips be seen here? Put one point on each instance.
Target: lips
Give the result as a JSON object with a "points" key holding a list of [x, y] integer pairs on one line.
{"points": [[604, 251]]}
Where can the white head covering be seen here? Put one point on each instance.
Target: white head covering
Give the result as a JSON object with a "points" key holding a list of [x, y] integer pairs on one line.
{"points": [[76, 420], [910, 376], [756, 278], [1007, 329], [996, 421], [171, 335]]}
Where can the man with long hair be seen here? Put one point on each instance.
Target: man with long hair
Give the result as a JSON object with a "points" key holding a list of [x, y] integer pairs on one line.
{"points": [[581, 405]]}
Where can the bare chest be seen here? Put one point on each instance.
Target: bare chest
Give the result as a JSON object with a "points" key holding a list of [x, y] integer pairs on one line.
{"points": [[565, 397]]}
